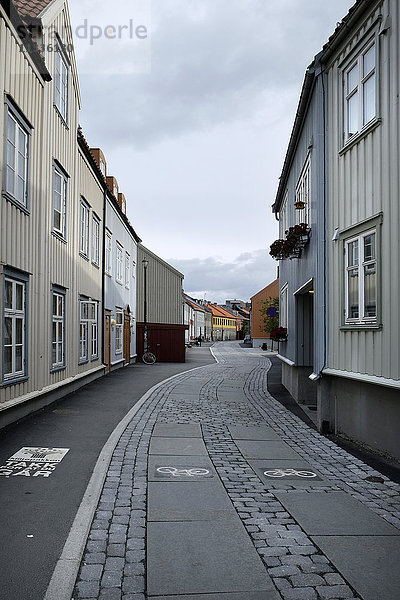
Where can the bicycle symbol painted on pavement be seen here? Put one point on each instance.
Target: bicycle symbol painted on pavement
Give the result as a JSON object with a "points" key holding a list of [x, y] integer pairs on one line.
{"points": [[289, 473], [189, 472]]}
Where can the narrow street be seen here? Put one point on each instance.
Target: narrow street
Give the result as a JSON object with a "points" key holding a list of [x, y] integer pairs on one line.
{"points": [[215, 491], [207, 489]]}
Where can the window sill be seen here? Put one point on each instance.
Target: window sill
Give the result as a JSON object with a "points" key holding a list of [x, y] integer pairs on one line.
{"points": [[94, 358], [83, 361], [119, 282], [59, 237], [16, 203], [361, 327], [108, 274], [57, 369], [97, 266], [82, 255], [357, 137], [62, 119], [15, 381]]}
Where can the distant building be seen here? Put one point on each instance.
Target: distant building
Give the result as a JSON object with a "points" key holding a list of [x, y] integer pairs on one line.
{"points": [[258, 334], [165, 308], [223, 324]]}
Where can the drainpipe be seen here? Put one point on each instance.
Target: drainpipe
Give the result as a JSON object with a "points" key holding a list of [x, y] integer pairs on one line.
{"points": [[103, 278]]}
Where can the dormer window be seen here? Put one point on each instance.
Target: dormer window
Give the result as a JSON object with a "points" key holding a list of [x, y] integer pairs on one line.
{"points": [[115, 191], [103, 167]]}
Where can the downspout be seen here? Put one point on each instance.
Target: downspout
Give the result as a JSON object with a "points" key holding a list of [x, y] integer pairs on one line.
{"points": [[103, 277]]}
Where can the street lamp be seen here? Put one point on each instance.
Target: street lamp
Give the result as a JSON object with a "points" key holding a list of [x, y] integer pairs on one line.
{"points": [[145, 264]]}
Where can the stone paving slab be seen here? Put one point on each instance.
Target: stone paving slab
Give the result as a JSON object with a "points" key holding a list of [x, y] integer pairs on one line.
{"points": [[266, 449], [189, 501], [203, 557], [228, 596], [334, 513], [176, 446], [283, 473], [369, 563], [180, 463], [241, 432], [190, 430]]}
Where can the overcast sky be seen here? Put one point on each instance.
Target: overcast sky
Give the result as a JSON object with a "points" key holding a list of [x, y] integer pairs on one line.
{"points": [[192, 103]]}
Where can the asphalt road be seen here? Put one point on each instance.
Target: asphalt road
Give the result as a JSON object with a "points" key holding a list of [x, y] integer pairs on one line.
{"points": [[37, 512]]}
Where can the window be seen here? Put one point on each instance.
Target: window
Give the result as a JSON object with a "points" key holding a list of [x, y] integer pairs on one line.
{"points": [[14, 326], [88, 330], [303, 194], [95, 240], [108, 252], [127, 269], [283, 307], [61, 82], [361, 282], [283, 217], [58, 330], [16, 156], [102, 167], [360, 91], [118, 330], [84, 229], [118, 275], [59, 201]]}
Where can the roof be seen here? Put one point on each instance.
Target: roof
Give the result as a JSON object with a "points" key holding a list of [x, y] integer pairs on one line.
{"points": [[193, 304], [272, 289], [20, 22], [218, 311], [30, 8]]}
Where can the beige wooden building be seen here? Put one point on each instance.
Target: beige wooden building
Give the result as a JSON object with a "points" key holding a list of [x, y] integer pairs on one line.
{"points": [[50, 217]]}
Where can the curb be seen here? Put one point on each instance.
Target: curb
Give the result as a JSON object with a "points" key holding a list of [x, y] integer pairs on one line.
{"points": [[63, 579]]}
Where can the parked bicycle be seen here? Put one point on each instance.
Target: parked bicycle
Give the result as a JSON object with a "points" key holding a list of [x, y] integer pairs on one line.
{"points": [[149, 358]]}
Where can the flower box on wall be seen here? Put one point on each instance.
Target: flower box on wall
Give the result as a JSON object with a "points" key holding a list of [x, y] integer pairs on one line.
{"points": [[291, 247]]}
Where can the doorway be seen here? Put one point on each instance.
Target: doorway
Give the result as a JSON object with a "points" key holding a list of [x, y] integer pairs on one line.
{"points": [[107, 340]]}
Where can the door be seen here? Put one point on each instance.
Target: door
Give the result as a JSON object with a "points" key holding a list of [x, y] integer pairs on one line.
{"points": [[127, 337], [107, 339]]}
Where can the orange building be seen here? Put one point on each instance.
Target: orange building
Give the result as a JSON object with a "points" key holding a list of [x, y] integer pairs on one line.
{"points": [[258, 334]]}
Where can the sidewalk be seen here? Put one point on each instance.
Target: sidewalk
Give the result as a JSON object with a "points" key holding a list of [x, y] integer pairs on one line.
{"points": [[216, 492]]}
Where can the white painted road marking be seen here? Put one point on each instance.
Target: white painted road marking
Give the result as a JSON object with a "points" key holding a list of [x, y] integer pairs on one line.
{"points": [[33, 462], [289, 473], [193, 472]]}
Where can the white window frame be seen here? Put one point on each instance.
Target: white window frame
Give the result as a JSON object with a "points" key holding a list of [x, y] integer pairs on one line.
{"points": [[283, 216], [84, 228], [119, 256], [88, 329], [119, 324], [95, 240], [358, 92], [108, 253], [59, 206], [58, 340], [14, 314], [16, 152], [361, 264], [303, 193], [102, 167], [127, 269], [61, 81], [283, 306]]}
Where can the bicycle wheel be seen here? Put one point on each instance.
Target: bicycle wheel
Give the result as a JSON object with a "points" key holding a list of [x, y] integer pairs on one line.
{"points": [[149, 358]]}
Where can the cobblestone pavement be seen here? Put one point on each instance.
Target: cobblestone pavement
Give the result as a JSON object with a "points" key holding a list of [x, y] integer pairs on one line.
{"points": [[113, 565]]}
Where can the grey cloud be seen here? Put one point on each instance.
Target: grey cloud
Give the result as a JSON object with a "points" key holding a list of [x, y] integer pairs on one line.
{"points": [[212, 62], [219, 280]]}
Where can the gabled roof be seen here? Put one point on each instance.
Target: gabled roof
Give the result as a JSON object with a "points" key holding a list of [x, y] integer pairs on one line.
{"points": [[193, 304], [218, 311]]}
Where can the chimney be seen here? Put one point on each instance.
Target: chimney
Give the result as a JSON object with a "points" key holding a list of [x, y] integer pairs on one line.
{"points": [[100, 160]]}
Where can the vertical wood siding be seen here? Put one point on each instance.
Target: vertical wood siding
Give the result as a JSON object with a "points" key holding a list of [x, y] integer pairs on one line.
{"points": [[364, 181]]}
